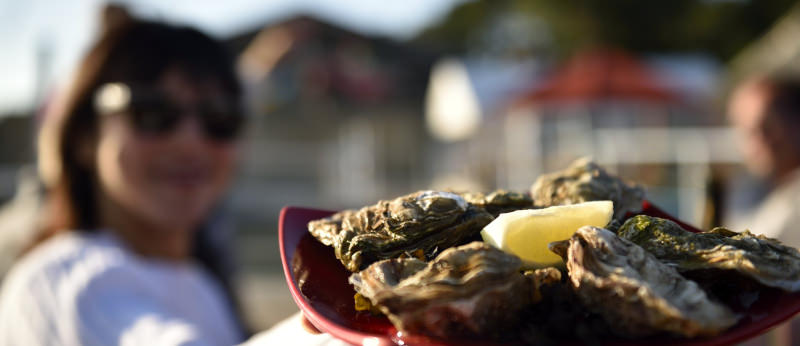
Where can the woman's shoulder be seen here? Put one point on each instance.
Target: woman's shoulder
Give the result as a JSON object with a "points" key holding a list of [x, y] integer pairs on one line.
{"points": [[41, 290], [68, 258], [81, 287], [70, 248]]}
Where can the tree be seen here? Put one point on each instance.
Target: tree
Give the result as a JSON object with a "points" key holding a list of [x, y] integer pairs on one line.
{"points": [[719, 27]]}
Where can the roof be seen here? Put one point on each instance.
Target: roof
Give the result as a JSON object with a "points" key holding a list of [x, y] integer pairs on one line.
{"points": [[599, 75], [305, 56]]}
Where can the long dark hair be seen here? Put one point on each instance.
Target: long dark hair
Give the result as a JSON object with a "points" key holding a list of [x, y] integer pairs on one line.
{"points": [[130, 51]]}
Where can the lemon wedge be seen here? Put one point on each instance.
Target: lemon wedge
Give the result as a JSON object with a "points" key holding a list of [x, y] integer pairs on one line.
{"points": [[526, 233]]}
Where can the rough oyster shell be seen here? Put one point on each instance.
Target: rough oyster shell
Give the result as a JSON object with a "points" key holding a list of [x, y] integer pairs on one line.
{"points": [[585, 181], [633, 291], [420, 224], [500, 201], [539, 278], [470, 290], [763, 259]]}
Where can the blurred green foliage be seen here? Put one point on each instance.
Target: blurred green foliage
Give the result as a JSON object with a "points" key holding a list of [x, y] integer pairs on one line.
{"points": [[718, 27]]}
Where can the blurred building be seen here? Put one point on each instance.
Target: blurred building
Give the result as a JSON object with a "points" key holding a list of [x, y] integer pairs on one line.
{"points": [[336, 120], [20, 191], [16, 150], [778, 50]]}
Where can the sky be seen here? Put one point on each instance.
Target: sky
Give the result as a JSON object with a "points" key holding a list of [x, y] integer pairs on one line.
{"points": [[54, 34]]}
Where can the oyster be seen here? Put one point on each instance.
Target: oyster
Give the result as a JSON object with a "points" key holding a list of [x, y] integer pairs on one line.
{"points": [[541, 278], [470, 290], [500, 201], [420, 225], [559, 316], [634, 292], [757, 257], [585, 181]]}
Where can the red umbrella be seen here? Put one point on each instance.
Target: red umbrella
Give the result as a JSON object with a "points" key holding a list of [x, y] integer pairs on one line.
{"points": [[600, 75]]}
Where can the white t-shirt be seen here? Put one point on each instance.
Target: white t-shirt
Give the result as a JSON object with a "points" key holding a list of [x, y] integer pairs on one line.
{"points": [[88, 289], [290, 332], [778, 215]]}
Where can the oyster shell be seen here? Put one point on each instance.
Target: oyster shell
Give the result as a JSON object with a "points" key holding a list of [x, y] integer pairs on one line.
{"points": [[585, 181], [634, 292], [559, 317], [760, 258], [500, 201], [541, 278], [420, 224], [470, 290]]}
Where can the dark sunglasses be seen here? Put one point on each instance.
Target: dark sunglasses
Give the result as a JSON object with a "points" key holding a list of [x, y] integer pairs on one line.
{"points": [[153, 113]]}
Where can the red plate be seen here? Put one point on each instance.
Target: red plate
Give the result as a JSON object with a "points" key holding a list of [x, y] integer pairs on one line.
{"points": [[318, 284]]}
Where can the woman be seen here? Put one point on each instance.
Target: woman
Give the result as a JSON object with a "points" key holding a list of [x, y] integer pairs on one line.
{"points": [[135, 159]]}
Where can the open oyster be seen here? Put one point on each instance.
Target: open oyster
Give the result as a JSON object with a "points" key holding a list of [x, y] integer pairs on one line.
{"points": [[470, 290], [633, 291], [500, 201], [585, 181], [760, 258], [420, 224]]}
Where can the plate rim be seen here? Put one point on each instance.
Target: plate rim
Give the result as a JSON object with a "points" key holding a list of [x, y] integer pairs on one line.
{"points": [[314, 316]]}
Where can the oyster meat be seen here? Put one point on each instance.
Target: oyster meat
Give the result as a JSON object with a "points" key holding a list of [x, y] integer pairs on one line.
{"points": [[760, 258], [635, 293], [500, 201], [470, 290], [420, 224], [585, 181]]}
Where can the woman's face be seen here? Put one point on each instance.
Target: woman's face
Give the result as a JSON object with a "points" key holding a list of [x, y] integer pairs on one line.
{"points": [[766, 142], [169, 180], [747, 113]]}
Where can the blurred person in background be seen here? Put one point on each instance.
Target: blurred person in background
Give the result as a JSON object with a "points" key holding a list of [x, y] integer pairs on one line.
{"points": [[136, 157], [765, 111]]}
